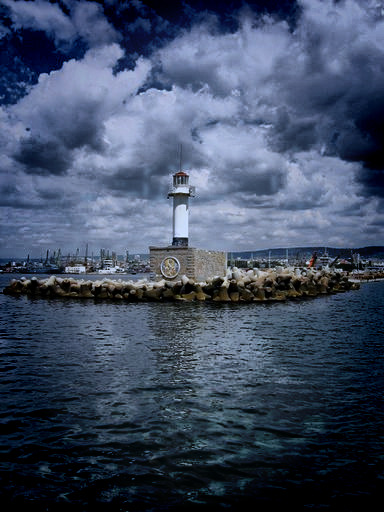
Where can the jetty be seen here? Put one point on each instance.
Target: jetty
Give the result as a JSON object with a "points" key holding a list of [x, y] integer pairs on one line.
{"points": [[236, 286]]}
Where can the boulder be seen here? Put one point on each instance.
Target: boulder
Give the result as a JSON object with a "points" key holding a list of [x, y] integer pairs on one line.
{"points": [[236, 286]]}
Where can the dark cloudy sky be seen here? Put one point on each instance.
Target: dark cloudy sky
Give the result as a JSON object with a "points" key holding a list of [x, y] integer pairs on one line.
{"points": [[278, 106]]}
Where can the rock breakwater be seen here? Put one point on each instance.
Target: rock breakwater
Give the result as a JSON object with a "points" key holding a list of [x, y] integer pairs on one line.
{"points": [[237, 286]]}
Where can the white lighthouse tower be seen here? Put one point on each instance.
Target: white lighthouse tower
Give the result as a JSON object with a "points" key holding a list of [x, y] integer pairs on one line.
{"points": [[179, 259], [181, 191]]}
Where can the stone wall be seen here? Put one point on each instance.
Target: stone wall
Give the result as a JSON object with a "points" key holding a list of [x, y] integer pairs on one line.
{"points": [[208, 264], [172, 262]]}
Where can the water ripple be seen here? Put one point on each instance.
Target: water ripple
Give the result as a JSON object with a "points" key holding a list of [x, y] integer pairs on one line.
{"points": [[160, 406]]}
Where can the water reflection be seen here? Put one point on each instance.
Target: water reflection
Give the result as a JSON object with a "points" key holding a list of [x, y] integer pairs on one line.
{"points": [[174, 331]]}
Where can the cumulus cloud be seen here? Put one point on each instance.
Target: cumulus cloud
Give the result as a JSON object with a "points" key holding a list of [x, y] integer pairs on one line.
{"points": [[41, 15], [67, 109], [85, 21], [280, 128]]}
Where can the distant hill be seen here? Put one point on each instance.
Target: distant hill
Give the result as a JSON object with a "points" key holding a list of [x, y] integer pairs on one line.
{"points": [[303, 252]]}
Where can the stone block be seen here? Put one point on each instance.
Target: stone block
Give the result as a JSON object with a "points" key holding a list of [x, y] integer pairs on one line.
{"points": [[173, 263]]}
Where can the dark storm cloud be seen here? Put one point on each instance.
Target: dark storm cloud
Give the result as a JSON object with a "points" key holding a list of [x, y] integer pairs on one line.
{"points": [[364, 141], [373, 181], [293, 134], [10, 196], [52, 195], [43, 157], [129, 181], [16, 196], [149, 180], [253, 179], [65, 130], [264, 183], [334, 93], [78, 127], [53, 153]]}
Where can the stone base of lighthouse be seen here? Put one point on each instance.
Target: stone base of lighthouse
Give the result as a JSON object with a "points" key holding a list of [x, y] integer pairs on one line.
{"points": [[172, 262]]}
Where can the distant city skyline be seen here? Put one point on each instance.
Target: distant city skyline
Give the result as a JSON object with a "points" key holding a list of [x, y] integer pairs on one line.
{"points": [[367, 252], [278, 107]]}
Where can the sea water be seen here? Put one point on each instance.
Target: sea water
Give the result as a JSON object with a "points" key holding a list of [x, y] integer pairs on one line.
{"points": [[118, 406]]}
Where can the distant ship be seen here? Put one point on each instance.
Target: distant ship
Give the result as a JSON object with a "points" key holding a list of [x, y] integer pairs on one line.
{"points": [[38, 269], [324, 260], [111, 270]]}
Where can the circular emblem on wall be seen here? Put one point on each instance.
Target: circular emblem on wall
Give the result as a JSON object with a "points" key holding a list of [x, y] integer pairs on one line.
{"points": [[170, 267]]}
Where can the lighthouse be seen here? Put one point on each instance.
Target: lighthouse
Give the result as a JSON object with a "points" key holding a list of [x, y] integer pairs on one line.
{"points": [[181, 191], [174, 261]]}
